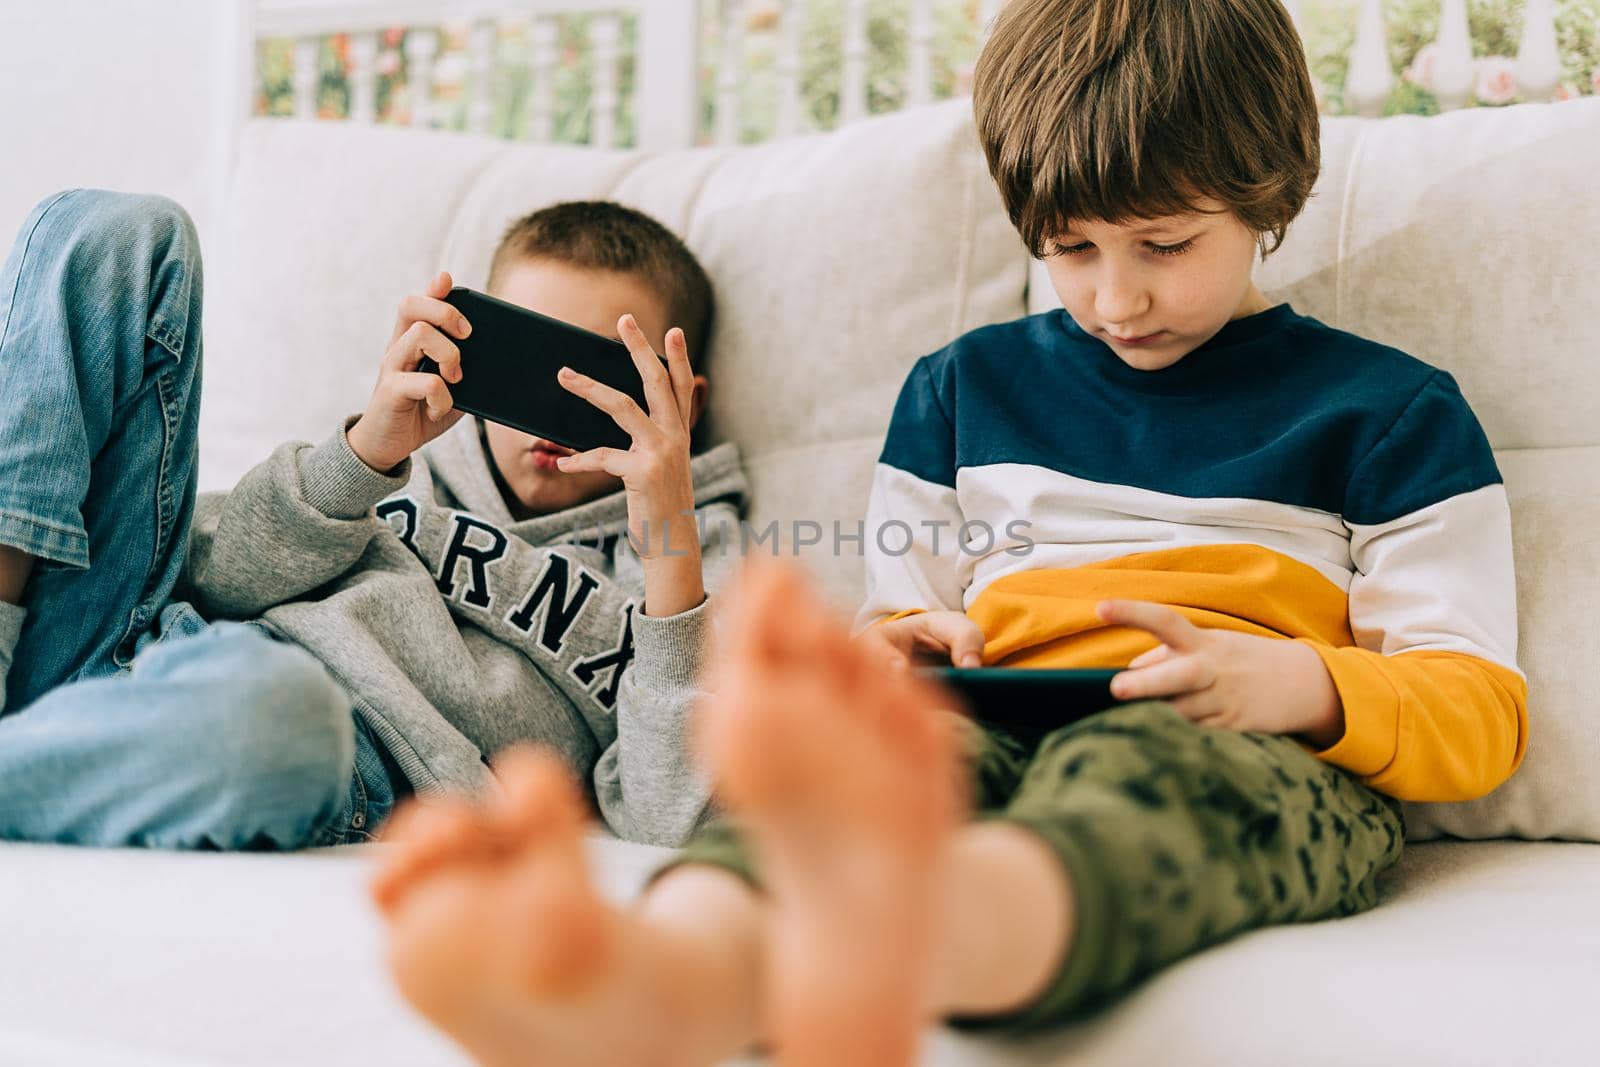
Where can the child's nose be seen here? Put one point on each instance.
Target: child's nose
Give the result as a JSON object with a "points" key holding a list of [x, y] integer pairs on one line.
{"points": [[1121, 308], [1121, 302]]}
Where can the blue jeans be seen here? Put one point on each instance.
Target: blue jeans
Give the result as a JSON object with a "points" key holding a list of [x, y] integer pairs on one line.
{"points": [[129, 720]]}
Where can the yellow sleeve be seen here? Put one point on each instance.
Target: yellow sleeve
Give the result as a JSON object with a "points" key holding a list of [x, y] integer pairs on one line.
{"points": [[1427, 725]]}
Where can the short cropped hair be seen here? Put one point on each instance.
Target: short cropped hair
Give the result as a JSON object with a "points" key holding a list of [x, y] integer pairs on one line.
{"points": [[602, 235], [1116, 110]]}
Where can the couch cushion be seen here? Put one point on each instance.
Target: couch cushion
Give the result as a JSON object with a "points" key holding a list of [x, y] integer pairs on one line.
{"points": [[1481, 954], [1555, 511], [1469, 240]]}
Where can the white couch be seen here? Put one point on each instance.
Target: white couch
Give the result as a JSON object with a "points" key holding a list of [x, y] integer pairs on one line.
{"points": [[1471, 240]]}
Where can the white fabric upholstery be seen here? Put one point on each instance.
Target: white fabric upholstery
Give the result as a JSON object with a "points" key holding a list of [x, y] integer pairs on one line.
{"points": [[1482, 955]]}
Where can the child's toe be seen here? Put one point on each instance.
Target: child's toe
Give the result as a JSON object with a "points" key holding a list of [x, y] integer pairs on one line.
{"points": [[426, 836]]}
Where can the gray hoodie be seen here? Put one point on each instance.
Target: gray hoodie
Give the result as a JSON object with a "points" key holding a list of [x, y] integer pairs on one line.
{"points": [[457, 630]]}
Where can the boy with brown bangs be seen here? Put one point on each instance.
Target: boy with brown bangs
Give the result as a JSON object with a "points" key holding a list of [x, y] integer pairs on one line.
{"points": [[1294, 541]]}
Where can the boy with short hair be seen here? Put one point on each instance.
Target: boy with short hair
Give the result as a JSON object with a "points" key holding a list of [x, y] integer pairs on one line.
{"points": [[497, 588], [1296, 541]]}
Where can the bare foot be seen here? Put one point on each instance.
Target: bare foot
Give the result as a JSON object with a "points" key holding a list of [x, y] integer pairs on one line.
{"points": [[499, 937], [845, 780]]}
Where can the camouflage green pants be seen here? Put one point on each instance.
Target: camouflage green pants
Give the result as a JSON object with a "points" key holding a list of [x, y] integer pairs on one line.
{"points": [[1174, 836]]}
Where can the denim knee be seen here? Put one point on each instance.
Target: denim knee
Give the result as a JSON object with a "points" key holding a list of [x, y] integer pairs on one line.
{"points": [[116, 242], [108, 223], [276, 746], [291, 744]]}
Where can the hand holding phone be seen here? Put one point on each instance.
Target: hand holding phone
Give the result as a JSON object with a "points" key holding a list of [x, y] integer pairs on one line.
{"points": [[654, 468], [626, 409], [410, 406], [509, 374]]}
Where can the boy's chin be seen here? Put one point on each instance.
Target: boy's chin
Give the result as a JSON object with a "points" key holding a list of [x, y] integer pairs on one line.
{"points": [[1152, 358], [543, 493]]}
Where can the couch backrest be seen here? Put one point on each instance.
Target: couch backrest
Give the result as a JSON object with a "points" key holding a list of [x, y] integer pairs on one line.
{"points": [[1471, 240]]}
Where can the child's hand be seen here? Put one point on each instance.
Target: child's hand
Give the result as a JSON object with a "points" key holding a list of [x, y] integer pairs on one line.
{"points": [[946, 633], [409, 407], [655, 470], [1228, 679]]}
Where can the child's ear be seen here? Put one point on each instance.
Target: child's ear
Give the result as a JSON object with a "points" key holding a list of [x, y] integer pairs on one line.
{"points": [[697, 400]]}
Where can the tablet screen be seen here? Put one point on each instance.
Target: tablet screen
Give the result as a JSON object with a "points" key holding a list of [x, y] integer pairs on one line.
{"points": [[1029, 699]]}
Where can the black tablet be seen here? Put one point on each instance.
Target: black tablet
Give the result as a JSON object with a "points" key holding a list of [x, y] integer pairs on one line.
{"points": [[1028, 698]]}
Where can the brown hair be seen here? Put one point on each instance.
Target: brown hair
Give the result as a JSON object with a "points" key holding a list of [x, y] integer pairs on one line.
{"points": [[602, 235], [1113, 110]]}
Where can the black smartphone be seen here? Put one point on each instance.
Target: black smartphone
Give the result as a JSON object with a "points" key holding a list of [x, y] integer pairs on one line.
{"points": [[508, 372], [1028, 700]]}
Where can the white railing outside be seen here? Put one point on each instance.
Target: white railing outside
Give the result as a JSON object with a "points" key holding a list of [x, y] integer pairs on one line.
{"points": [[689, 81], [666, 63]]}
